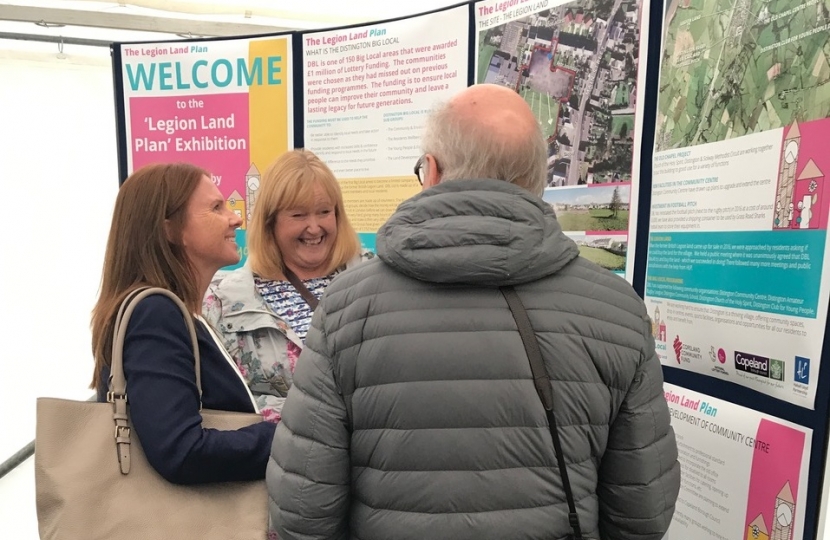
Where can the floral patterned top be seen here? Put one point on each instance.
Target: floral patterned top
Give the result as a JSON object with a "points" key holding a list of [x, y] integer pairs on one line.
{"points": [[263, 324], [287, 303]]}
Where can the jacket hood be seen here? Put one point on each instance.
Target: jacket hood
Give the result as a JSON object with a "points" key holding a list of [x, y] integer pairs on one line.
{"points": [[485, 232]]}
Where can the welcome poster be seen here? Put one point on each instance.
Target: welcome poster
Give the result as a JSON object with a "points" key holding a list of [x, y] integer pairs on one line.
{"points": [[224, 105]]}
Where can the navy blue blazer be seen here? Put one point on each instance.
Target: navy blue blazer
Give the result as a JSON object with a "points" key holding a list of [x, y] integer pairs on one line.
{"points": [[164, 401]]}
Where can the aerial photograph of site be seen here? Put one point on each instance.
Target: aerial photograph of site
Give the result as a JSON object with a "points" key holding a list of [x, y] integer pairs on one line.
{"points": [[576, 66], [735, 67]]}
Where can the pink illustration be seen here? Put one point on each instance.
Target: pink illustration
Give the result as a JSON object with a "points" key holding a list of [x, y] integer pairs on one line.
{"points": [[801, 199], [773, 485], [809, 212], [211, 131], [658, 326]]}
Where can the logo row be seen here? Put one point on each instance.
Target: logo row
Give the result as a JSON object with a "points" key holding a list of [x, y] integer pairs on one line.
{"points": [[760, 366], [772, 368]]}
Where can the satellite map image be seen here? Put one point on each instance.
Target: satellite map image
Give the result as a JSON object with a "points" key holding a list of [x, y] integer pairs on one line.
{"points": [[576, 66], [731, 68]]}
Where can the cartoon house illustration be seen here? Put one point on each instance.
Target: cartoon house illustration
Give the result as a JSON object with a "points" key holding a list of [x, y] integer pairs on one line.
{"points": [[782, 523], [658, 326], [757, 530], [809, 200], [237, 205], [252, 179], [784, 206]]}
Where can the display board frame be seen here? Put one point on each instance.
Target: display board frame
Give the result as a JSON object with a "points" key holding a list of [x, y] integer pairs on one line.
{"points": [[815, 420]]}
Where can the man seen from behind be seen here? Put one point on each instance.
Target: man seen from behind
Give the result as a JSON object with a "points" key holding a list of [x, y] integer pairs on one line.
{"points": [[413, 413]]}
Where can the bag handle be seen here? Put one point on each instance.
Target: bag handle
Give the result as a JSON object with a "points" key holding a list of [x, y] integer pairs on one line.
{"points": [[119, 384], [309, 298], [541, 381], [117, 394]]}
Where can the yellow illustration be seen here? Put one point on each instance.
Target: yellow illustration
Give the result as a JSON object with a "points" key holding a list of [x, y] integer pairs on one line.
{"points": [[236, 204], [757, 530]]}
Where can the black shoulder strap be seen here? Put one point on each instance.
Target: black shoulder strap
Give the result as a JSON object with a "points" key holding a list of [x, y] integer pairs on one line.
{"points": [[309, 298], [545, 392], [312, 302]]}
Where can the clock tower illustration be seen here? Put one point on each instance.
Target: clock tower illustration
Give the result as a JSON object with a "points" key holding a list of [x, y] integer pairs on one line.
{"points": [[786, 179], [782, 522], [252, 179]]}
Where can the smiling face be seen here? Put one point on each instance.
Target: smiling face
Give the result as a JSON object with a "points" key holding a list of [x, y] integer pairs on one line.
{"points": [[209, 233], [306, 235]]}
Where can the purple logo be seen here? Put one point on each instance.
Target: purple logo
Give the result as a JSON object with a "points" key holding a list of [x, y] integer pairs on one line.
{"points": [[752, 363], [721, 356]]}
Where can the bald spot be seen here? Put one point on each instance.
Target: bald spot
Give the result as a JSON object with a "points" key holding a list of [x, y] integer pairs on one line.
{"points": [[496, 107]]}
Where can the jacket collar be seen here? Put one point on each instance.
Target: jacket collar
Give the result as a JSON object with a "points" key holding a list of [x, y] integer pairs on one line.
{"points": [[244, 308], [488, 233]]}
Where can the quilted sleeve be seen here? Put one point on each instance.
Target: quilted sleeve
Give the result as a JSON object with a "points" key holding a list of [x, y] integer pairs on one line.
{"points": [[308, 473], [639, 477]]}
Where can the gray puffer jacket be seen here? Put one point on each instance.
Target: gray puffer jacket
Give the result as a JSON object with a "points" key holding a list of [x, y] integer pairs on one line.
{"points": [[413, 414]]}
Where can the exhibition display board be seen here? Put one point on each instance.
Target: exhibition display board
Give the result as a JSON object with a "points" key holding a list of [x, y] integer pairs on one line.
{"points": [[368, 90], [737, 280], [744, 472], [577, 64], [224, 105], [688, 159]]}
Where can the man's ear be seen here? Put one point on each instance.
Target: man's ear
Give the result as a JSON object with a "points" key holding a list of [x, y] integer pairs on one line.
{"points": [[432, 176]]}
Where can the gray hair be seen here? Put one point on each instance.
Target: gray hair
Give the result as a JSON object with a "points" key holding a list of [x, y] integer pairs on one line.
{"points": [[467, 150]]}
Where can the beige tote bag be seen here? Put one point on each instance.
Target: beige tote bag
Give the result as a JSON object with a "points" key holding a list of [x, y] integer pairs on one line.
{"points": [[93, 481]]}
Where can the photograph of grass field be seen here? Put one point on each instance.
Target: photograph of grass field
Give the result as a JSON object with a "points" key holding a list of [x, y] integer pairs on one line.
{"points": [[608, 251], [622, 125], [593, 220], [596, 207]]}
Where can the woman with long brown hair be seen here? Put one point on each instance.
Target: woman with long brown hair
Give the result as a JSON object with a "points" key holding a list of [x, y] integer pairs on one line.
{"points": [[172, 229]]}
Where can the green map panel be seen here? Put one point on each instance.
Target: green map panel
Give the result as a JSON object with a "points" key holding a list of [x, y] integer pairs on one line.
{"points": [[734, 67]]}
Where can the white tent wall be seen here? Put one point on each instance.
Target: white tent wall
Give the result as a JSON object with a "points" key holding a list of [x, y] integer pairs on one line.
{"points": [[58, 169], [59, 173]]}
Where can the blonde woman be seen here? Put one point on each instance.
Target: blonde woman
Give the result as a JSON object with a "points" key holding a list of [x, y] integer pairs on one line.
{"points": [[299, 238]]}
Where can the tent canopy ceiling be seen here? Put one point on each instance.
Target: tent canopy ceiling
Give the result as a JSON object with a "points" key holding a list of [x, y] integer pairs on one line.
{"points": [[138, 20]]}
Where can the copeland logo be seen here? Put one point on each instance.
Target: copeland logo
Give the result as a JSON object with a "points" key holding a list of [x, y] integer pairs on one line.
{"points": [[750, 363]]}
